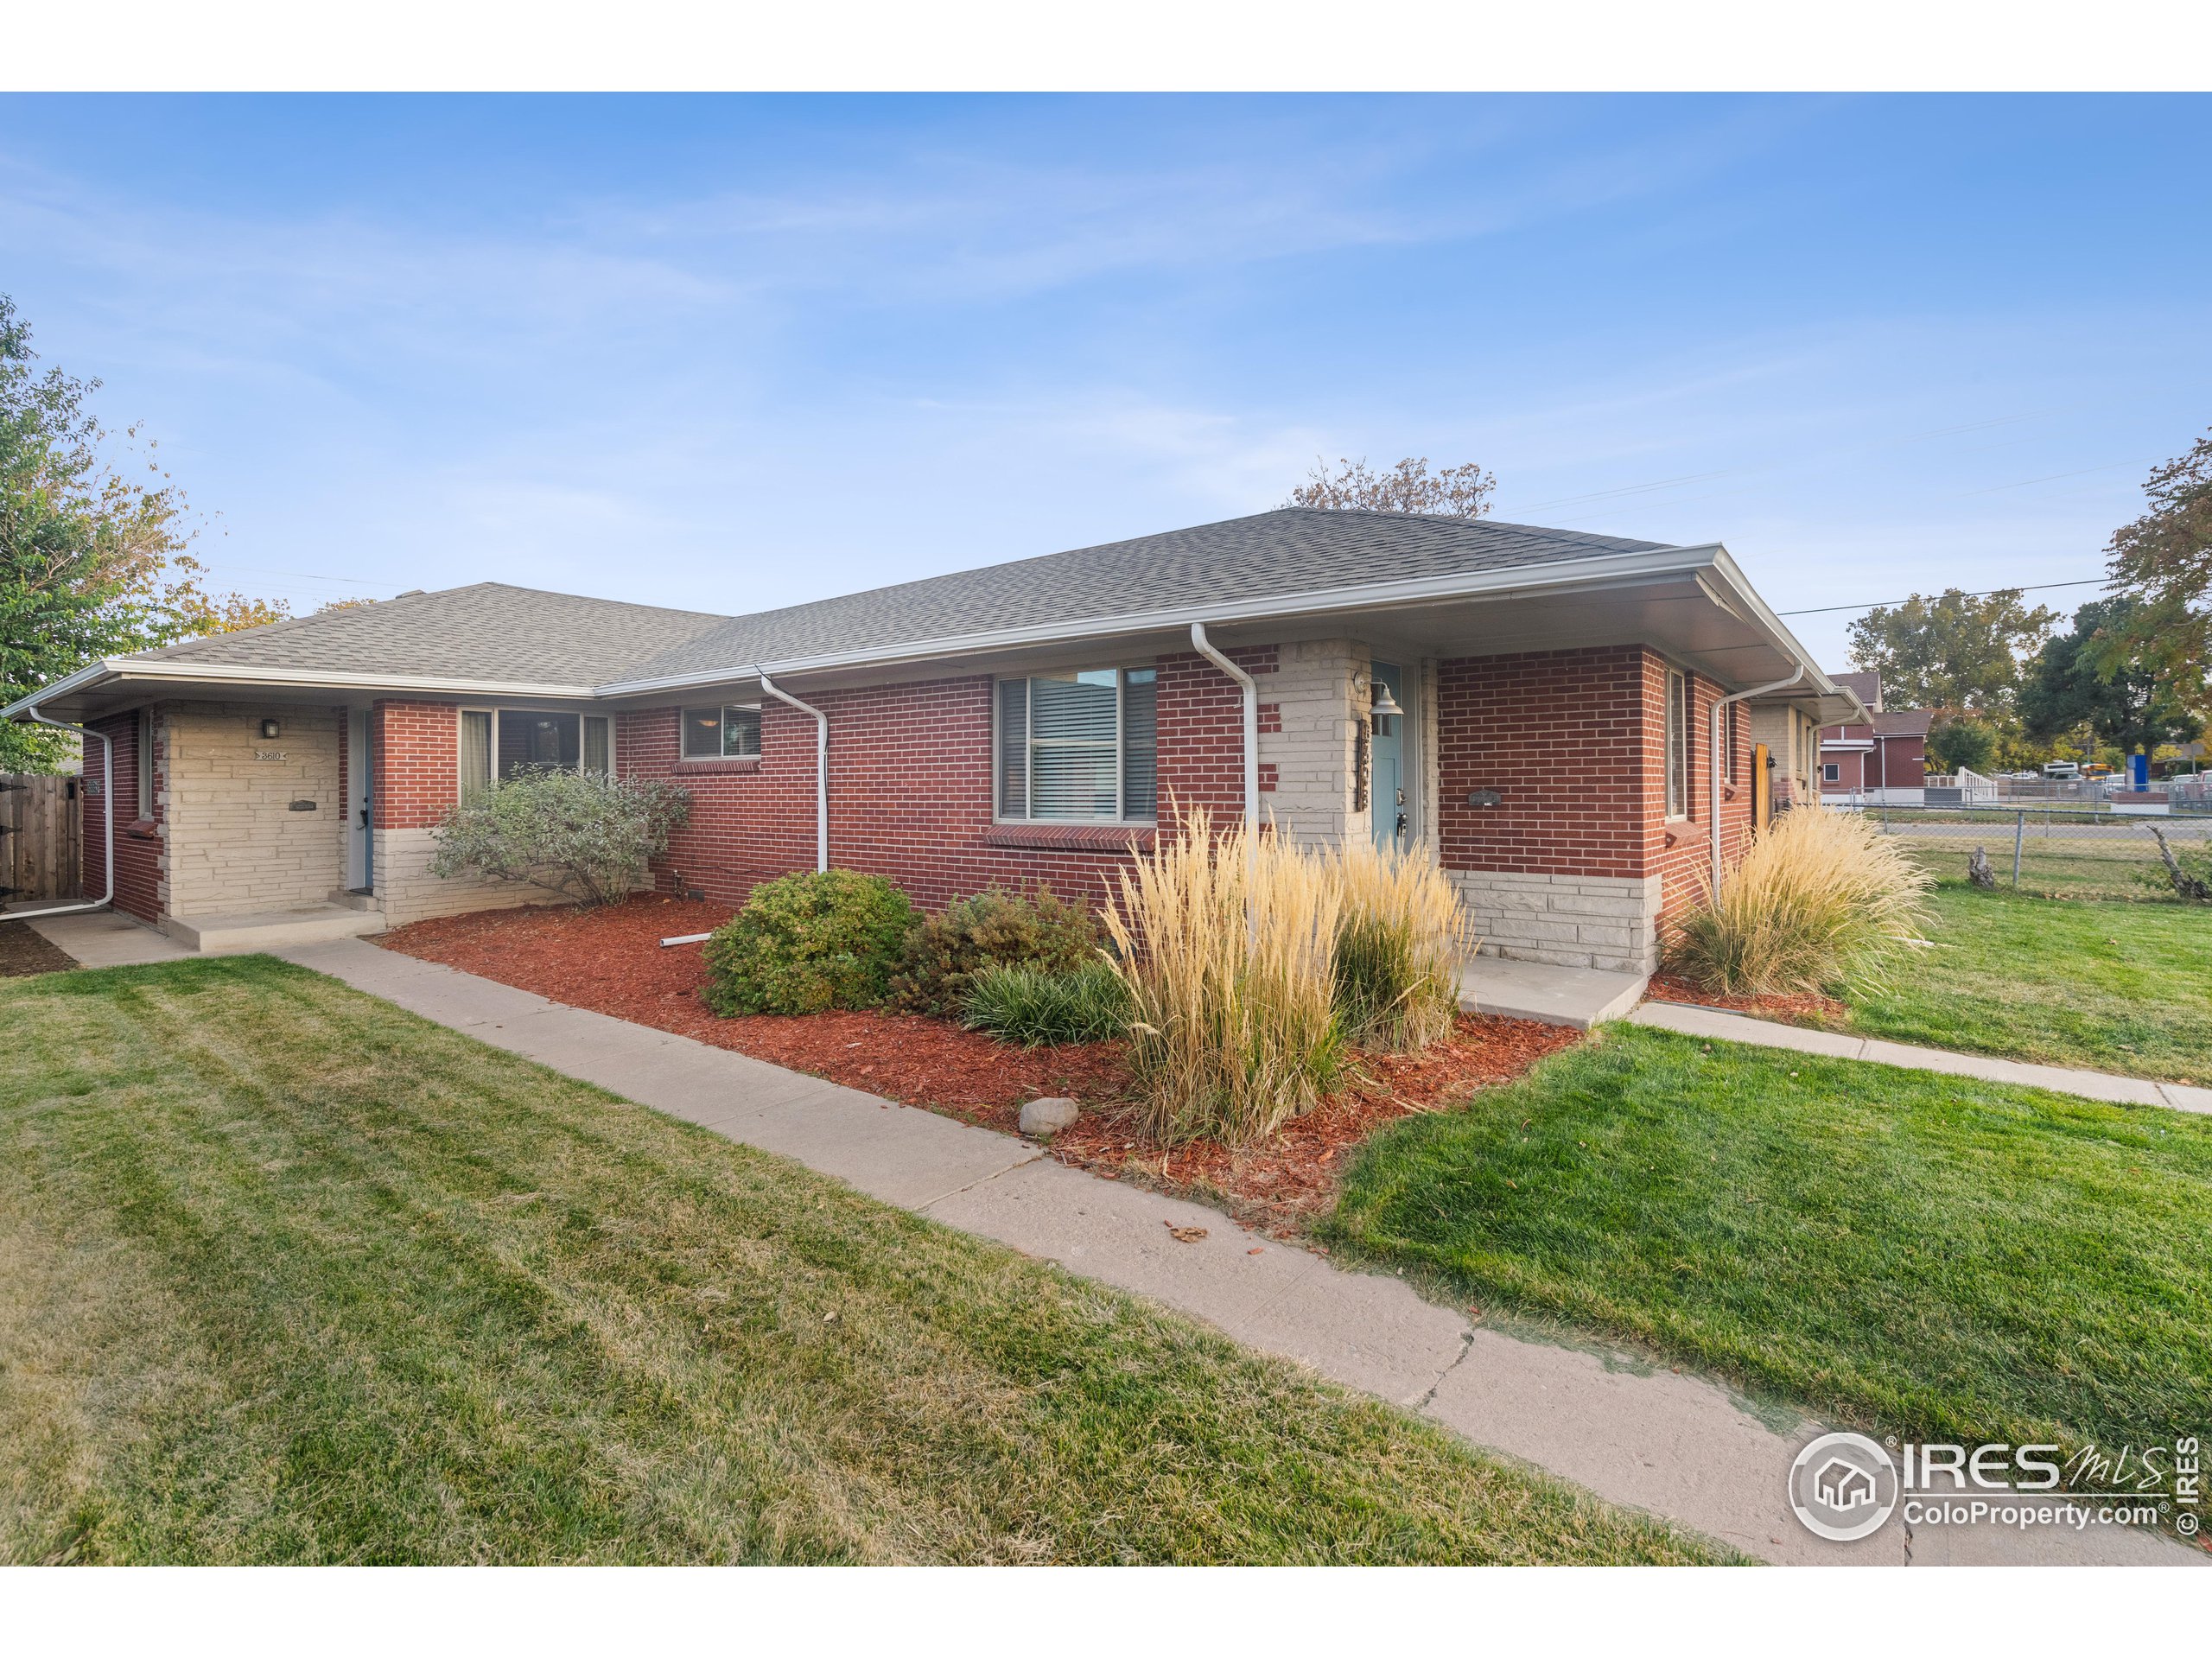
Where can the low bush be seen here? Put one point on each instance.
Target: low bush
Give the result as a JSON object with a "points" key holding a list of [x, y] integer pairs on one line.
{"points": [[579, 833], [1399, 937], [943, 953], [1029, 1006], [1821, 901], [827, 939], [1228, 947]]}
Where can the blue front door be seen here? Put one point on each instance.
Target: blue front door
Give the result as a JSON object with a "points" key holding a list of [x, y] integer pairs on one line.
{"points": [[1389, 779]]}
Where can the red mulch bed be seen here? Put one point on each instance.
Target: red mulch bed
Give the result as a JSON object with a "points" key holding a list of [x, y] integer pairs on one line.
{"points": [[1791, 1010], [612, 961]]}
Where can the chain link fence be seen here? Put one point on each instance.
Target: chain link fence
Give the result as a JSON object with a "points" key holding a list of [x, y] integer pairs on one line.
{"points": [[2061, 853]]}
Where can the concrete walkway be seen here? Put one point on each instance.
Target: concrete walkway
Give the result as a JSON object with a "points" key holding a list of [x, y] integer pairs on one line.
{"points": [[1693, 1021], [1675, 1446], [103, 938], [1581, 997]]}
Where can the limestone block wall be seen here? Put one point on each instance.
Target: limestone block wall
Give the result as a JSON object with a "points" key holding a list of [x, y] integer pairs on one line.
{"points": [[1576, 921], [233, 842], [407, 892], [1306, 736]]}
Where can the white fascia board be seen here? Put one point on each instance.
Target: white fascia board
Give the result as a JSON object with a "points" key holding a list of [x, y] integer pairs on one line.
{"points": [[1490, 584], [126, 669], [1753, 610]]}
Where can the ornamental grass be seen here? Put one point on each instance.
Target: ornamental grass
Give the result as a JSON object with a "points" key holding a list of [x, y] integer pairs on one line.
{"points": [[1399, 940], [1227, 940], [1821, 901]]}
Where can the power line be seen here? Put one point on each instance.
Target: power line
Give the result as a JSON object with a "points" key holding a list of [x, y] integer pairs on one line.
{"points": [[1875, 604]]}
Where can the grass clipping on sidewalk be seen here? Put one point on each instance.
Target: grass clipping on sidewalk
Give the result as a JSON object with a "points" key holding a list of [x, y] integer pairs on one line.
{"points": [[289, 1276]]}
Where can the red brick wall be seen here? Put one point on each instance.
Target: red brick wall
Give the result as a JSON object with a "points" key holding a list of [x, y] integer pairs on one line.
{"points": [[910, 788], [417, 768], [137, 856], [1574, 741]]}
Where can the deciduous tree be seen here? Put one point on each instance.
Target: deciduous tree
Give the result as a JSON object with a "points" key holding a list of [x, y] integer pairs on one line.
{"points": [[1460, 492], [2076, 680], [91, 544], [1959, 651], [2163, 562]]}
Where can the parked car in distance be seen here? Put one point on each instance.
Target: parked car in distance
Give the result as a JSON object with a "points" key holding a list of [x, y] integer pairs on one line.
{"points": [[2061, 770]]}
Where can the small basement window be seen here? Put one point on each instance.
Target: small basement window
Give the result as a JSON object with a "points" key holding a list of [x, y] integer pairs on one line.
{"points": [[731, 732]]}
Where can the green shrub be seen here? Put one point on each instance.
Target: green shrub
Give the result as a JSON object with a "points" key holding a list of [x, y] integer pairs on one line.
{"points": [[579, 833], [806, 943], [1029, 1006], [943, 953]]}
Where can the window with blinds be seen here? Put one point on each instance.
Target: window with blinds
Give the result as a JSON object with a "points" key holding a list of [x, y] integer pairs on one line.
{"points": [[501, 742], [1080, 745]]}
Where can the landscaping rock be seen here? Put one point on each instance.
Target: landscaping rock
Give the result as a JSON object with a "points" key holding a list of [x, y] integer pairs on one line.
{"points": [[1049, 1115]]}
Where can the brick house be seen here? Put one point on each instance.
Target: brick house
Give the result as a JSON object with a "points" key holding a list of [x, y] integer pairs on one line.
{"points": [[1882, 758], [1565, 721]]}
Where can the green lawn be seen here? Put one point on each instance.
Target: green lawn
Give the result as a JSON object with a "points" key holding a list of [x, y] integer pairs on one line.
{"points": [[1918, 1253], [2123, 987], [286, 1274]]}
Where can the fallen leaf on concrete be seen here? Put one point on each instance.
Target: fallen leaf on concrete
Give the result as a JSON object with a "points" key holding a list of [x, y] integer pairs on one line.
{"points": [[1185, 1235]]}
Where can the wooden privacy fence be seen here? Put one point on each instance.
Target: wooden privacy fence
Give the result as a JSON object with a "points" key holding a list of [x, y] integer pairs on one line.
{"points": [[39, 847]]}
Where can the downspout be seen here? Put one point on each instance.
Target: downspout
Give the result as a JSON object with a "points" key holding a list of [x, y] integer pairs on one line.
{"points": [[1719, 703], [821, 765], [107, 818], [1206, 649]]}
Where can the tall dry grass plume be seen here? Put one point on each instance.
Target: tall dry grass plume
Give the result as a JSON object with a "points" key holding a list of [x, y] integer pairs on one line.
{"points": [[1401, 937], [1227, 940], [1821, 900]]}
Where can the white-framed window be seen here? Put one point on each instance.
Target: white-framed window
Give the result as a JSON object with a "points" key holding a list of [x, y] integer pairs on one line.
{"points": [[1678, 743], [1730, 737], [729, 732], [1830, 774], [500, 742], [144, 737], [1079, 745]]}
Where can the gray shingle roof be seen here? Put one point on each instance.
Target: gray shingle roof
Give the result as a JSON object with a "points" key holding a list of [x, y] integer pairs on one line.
{"points": [[486, 632], [494, 632], [1292, 549]]}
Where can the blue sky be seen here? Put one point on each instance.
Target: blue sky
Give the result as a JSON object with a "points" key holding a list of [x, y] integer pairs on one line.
{"points": [[730, 353]]}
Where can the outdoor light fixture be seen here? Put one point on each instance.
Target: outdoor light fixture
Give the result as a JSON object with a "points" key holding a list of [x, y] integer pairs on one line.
{"points": [[1385, 703], [270, 728]]}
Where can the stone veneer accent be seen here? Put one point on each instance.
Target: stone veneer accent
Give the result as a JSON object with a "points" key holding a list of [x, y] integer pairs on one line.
{"points": [[1307, 736], [232, 842], [407, 892], [1576, 921]]}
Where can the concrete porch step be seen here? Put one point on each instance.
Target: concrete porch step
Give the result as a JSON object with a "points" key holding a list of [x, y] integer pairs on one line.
{"points": [[272, 930], [1581, 997]]}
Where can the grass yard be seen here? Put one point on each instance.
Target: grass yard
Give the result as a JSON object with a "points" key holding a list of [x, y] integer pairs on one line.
{"points": [[2123, 987], [1914, 1253], [286, 1274]]}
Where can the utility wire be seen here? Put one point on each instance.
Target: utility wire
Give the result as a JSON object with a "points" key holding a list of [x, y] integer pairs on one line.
{"points": [[2025, 588]]}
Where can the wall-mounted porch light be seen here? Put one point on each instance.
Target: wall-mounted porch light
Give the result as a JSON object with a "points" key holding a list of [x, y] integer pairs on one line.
{"points": [[270, 728], [1385, 703]]}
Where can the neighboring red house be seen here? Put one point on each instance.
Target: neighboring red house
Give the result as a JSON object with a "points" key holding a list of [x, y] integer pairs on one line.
{"points": [[1545, 713], [1884, 759]]}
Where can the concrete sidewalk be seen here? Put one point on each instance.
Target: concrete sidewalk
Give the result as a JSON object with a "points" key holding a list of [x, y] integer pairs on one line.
{"points": [[1675, 1446], [1693, 1019]]}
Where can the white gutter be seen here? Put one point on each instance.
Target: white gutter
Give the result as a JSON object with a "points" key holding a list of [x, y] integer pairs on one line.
{"points": [[107, 815], [1206, 649], [821, 765], [124, 668], [1719, 704]]}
